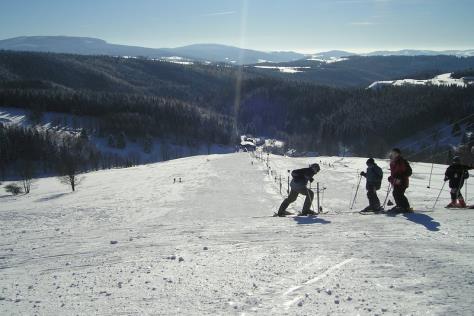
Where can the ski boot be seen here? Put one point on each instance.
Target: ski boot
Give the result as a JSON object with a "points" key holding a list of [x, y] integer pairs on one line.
{"points": [[378, 210], [369, 209], [283, 214], [397, 209], [308, 213], [461, 204], [453, 204]]}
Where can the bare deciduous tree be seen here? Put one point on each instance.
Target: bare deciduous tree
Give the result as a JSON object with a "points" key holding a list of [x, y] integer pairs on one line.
{"points": [[27, 172], [69, 164]]}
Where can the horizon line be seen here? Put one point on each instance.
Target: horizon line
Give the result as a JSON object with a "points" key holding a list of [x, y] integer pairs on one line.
{"points": [[303, 51]]}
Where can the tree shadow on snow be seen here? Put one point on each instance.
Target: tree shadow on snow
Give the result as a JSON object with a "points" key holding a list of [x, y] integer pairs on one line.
{"points": [[305, 220], [52, 197], [424, 220]]}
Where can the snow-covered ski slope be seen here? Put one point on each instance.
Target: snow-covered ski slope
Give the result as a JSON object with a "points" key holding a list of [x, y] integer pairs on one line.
{"points": [[114, 246]]}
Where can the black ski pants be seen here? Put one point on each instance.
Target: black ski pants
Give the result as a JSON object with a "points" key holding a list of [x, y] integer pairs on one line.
{"points": [[295, 191], [374, 202], [456, 193], [400, 198]]}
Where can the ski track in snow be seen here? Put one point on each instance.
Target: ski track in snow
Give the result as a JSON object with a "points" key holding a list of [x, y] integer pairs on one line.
{"points": [[56, 255], [313, 280]]}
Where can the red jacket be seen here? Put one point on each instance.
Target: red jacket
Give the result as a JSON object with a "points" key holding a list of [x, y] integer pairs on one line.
{"points": [[398, 171]]}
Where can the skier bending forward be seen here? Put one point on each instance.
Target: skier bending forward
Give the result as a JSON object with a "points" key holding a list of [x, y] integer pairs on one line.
{"points": [[298, 185]]}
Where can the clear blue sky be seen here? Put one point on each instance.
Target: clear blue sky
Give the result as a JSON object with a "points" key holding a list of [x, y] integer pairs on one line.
{"points": [[301, 25]]}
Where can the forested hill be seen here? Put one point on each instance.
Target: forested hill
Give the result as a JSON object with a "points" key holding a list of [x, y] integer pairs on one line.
{"points": [[361, 71], [184, 104], [112, 75]]}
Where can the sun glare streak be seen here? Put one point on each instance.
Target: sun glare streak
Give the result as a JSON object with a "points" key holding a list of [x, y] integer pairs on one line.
{"points": [[239, 74]]}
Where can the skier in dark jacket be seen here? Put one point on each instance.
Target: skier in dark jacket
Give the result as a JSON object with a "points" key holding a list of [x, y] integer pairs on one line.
{"points": [[400, 171], [374, 175], [456, 174], [298, 185]]}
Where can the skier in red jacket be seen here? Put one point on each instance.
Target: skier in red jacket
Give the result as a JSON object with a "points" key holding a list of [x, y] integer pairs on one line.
{"points": [[400, 171]]}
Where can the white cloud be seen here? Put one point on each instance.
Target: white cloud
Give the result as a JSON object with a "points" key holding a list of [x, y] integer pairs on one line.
{"points": [[362, 23], [220, 13]]}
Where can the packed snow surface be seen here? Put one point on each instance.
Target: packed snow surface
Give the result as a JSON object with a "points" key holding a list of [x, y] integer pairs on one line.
{"points": [[133, 242]]}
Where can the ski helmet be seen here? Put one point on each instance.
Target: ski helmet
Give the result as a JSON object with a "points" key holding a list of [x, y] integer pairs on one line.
{"points": [[315, 167], [370, 161]]}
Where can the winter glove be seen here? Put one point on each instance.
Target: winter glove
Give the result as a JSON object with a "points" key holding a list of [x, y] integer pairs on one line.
{"points": [[446, 179], [311, 180], [390, 179], [363, 174]]}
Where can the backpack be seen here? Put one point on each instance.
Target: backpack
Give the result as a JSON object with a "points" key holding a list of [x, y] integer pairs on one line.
{"points": [[409, 171], [379, 173]]}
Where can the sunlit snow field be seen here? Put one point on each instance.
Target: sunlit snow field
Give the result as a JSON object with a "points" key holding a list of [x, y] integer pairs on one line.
{"points": [[133, 242]]}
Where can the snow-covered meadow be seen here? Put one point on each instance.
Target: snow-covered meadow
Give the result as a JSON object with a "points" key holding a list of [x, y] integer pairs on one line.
{"points": [[134, 242], [440, 80]]}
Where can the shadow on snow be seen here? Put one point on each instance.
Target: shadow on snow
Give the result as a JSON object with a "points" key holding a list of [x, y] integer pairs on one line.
{"points": [[421, 219], [305, 220], [52, 197]]}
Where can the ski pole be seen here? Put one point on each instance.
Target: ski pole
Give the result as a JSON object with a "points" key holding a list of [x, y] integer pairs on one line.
{"points": [[357, 190], [317, 194], [388, 193], [309, 196], [436, 202], [459, 192], [465, 192], [431, 173]]}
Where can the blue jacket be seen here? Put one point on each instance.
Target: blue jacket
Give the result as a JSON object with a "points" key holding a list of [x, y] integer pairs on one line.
{"points": [[374, 176]]}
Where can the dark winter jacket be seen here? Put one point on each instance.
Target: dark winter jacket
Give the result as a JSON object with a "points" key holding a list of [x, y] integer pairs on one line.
{"points": [[302, 176], [456, 174], [400, 170], [374, 175]]}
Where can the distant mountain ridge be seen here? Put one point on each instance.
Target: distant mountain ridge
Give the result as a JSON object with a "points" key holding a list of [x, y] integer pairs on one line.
{"points": [[199, 52], [231, 54], [94, 46], [414, 52], [77, 45]]}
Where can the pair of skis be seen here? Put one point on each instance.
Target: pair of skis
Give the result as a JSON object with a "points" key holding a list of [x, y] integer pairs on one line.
{"points": [[385, 212], [292, 215], [468, 207]]}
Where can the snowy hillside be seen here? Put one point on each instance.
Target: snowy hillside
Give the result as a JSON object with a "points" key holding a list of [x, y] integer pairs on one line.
{"points": [[284, 69], [441, 80], [72, 124], [133, 242]]}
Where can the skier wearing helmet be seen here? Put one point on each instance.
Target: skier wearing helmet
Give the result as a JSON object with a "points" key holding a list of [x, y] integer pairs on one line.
{"points": [[298, 186], [456, 174]]}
